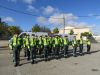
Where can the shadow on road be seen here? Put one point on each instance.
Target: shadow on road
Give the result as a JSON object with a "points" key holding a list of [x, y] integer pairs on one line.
{"points": [[4, 48], [92, 52]]}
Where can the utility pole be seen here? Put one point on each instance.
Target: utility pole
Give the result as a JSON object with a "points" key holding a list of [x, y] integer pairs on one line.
{"points": [[63, 24], [0, 20]]}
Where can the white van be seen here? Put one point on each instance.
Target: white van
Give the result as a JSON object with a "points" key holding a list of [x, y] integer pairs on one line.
{"points": [[33, 33]]}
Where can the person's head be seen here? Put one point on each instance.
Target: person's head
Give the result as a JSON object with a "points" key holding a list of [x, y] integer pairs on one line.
{"points": [[80, 36], [19, 36], [66, 36], [15, 35], [74, 37], [50, 36], [45, 36], [40, 36], [33, 35], [27, 36]]}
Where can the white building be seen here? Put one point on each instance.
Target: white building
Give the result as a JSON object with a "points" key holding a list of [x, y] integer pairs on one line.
{"points": [[77, 30]]}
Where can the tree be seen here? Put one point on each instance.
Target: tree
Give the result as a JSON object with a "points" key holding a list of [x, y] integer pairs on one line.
{"points": [[36, 28], [71, 32], [45, 29], [14, 29], [55, 30], [4, 30], [87, 34], [7, 31]]}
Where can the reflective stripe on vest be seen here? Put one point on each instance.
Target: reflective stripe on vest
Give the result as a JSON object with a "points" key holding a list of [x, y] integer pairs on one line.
{"points": [[45, 41], [40, 41], [56, 41], [88, 42], [14, 41], [32, 41], [19, 41], [74, 42], [81, 41], [27, 41], [65, 41]]}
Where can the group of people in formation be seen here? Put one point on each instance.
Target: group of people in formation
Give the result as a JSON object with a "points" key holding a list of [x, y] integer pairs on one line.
{"points": [[46, 46]]}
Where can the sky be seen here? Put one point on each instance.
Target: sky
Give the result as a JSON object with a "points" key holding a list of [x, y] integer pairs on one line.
{"points": [[49, 13]]}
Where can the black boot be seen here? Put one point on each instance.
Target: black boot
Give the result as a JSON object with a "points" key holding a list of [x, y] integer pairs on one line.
{"points": [[32, 62], [15, 65]]}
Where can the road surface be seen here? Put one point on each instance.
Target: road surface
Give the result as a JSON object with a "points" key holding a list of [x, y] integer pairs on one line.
{"points": [[81, 65]]}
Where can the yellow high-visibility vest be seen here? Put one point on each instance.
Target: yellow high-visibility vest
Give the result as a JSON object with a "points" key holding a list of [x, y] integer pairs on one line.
{"points": [[81, 41], [65, 41], [14, 41], [45, 41], [56, 41]]}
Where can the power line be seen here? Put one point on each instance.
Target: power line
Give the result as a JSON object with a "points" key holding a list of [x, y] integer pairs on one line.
{"points": [[63, 18], [16, 11], [21, 12]]}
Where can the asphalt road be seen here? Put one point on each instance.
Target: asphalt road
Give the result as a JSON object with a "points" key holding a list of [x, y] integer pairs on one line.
{"points": [[81, 65]]}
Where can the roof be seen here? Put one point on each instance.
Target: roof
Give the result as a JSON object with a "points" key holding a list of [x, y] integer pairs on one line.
{"points": [[36, 33], [75, 27]]}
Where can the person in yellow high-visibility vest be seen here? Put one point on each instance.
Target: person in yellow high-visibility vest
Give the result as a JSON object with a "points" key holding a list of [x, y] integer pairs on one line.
{"points": [[57, 45], [40, 44], [50, 45], [45, 43], [15, 44], [88, 42], [61, 43], [32, 48], [65, 42], [53, 45], [74, 44], [27, 43], [24, 45], [81, 46]]}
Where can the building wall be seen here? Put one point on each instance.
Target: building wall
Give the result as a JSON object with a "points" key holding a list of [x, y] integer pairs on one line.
{"points": [[77, 31]]}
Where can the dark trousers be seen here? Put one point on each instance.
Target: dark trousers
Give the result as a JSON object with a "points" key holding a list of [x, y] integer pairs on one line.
{"points": [[40, 49], [81, 48], [88, 48], [57, 48], [19, 50], [50, 50], [33, 53], [65, 50], [16, 55], [53, 50], [74, 50], [45, 51], [25, 51], [61, 48], [28, 53]]}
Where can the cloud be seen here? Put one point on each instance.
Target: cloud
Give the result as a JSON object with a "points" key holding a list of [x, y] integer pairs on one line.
{"points": [[49, 10], [30, 8], [8, 19], [58, 18], [90, 15], [41, 20], [29, 1], [98, 17], [12, 0]]}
